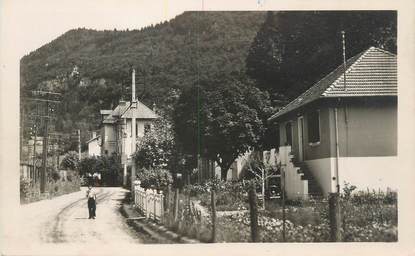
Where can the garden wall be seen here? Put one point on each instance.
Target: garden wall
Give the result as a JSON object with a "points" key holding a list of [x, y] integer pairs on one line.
{"points": [[58, 183]]}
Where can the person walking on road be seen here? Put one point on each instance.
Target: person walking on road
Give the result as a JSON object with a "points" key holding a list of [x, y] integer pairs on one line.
{"points": [[92, 202]]}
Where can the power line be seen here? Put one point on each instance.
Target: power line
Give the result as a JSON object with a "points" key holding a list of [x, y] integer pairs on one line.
{"points": [[45, 119]]}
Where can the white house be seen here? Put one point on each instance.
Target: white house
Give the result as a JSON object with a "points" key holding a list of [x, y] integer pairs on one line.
{"points": [[343, 128], [94, 145]]}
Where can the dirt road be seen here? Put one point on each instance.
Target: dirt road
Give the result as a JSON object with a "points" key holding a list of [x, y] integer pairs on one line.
{"points": [[65, 220]]}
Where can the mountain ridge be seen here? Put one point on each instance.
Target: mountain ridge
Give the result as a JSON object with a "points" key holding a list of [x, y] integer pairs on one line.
{"points": [[92, 68]]}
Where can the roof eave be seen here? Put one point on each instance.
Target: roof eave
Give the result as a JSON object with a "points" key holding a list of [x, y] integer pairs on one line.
{"points": [[280, 114]]}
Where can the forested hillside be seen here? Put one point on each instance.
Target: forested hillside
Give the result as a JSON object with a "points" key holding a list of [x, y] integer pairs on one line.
{"points": [[283, 52], [92, 68]]}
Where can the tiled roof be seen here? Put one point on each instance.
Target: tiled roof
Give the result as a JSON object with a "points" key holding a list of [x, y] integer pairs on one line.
{"points": [[117, 112], [124, 110], [121, 108], [95, 138], [141, 112], [370, 73]]}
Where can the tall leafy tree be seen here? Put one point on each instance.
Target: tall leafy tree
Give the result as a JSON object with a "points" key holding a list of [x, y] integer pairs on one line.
{"points": [[156, 148], [220, 118]]}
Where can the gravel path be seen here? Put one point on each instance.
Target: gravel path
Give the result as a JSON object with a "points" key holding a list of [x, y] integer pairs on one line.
{"points": [[65, 220]]}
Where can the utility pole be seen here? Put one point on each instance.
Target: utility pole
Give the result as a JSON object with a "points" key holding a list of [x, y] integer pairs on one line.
{"points": [[44, 152], [133, 133], [34, 144], [79, 145], [124, 153], [34, 152], [58, 152], [45, 97]]}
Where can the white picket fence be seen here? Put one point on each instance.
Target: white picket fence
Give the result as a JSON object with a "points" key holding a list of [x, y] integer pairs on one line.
{"points": [[149, 201]]}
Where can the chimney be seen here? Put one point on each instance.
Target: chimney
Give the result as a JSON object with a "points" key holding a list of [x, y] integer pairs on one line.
{"points": [[94, 134], [122, 102], [133, 87]]}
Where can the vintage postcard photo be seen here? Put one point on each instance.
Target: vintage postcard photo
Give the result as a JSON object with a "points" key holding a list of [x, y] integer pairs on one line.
{"points": [[187, 125]]}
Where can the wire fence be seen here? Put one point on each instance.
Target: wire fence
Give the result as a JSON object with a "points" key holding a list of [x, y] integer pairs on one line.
{"points": [[226, 213]]}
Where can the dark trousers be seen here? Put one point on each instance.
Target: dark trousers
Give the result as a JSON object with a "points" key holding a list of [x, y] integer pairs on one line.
{"points": [[91, 207]]}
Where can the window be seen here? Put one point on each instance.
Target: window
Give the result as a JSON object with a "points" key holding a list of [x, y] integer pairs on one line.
{"points": [[147, 128], [136, 129], [313, 126], [288, 133]]}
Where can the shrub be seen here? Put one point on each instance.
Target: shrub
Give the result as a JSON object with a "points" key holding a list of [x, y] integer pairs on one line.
{"points": [[155, 178], [70, 161], [24, 187], [230, 195], [69, 176], [56, 175]]}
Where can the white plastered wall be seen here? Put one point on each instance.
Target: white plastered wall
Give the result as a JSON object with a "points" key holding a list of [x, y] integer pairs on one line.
{"points": [[295, 187], [379, 172], [323, 171], [363, 172]]}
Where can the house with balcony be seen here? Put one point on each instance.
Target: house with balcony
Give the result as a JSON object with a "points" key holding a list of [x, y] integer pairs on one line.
{"points": [[342, 129]]}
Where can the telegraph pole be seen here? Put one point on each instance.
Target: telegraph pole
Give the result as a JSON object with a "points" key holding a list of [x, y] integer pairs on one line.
{"points": [[44, 152], [45, 117], [133, 134], [34, 152], [79, 144], [58, 151]]}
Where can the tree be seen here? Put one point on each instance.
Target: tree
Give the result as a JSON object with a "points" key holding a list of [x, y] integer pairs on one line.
{"points": [[293, 50], [191, 45], [220, 118], [256, 168], [155, 149], [264, 55], [88, 165], [70, 161], [110, 168]]}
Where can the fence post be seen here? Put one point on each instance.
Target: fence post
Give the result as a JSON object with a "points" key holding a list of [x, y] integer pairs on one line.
{"points": [[169, 209], [167, 199], [161, 207], [283, 204], [213, 204], [147, 203], [253, 208], [176, 204], [155, 204], [141, 200], [334, 217]]}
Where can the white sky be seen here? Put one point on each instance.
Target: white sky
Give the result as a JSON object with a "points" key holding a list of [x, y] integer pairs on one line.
{"points": [[37, 22], [33, 23]]}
